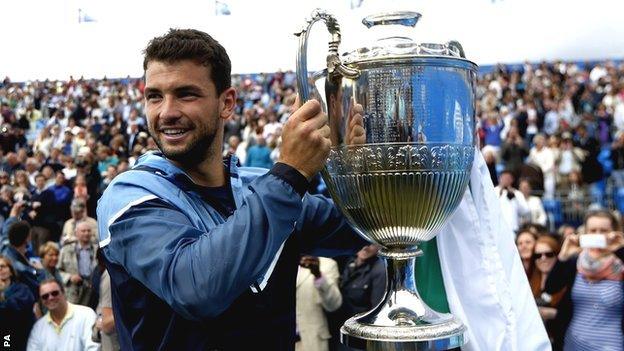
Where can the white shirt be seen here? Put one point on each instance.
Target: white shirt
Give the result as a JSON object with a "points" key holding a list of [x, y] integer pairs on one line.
{"points": [[512, 210], [73, 333]]}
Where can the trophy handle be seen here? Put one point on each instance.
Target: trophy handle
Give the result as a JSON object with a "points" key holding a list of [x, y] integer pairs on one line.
{"points": [[334, 65]]}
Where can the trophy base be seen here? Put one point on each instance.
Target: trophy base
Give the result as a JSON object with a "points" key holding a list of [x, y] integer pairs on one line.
{"points": [[444, 336], [402, 321]]}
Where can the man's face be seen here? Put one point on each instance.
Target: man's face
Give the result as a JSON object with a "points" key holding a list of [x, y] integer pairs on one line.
{"points": [[51, 296], [184, 112], [83, 232]]}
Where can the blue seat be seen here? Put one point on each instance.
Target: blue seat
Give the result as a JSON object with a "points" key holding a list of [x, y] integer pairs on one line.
{"points": [[554, 210]]}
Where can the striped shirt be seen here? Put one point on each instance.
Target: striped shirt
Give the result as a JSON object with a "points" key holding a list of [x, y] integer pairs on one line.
{"points": [[597, 316]]}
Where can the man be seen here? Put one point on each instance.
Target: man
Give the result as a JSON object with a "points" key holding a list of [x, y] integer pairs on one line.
{"points": [[76, 263], [79, 214], [512, 201], [363, 282], [317, 293], [19, 238], [203, 254], [65, 327]]}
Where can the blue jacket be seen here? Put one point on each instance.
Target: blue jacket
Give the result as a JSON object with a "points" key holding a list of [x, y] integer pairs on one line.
{"points": [[191, 270]]}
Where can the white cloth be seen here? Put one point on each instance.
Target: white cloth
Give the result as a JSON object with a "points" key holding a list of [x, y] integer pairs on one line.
{"points": [[483, 275], [74, 333]]}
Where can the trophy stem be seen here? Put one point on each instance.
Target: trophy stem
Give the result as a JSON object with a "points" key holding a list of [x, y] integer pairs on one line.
{"points": [[402, 321]]}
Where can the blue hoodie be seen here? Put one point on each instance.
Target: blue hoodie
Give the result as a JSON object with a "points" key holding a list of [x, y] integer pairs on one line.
{"points": [[212, 268]]}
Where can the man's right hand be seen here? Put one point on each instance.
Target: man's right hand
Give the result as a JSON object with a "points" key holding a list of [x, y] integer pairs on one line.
{"points": [[305, 139]]}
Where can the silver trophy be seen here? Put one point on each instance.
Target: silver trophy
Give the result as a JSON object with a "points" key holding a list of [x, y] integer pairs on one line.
{"points": [[399, 182]]}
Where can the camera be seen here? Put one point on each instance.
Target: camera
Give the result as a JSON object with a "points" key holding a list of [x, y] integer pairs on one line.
{"points": [[510, 193]]}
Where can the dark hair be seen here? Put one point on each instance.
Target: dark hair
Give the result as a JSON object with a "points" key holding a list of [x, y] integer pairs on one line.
{"points": [[192, 44], [18, 233], [11, 268], [52, 280]]}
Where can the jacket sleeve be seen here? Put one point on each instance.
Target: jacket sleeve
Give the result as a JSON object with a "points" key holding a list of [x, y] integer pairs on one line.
{"points": [[20, 300], [199, 274], [331, 299], [324, 230], [561, 275]]}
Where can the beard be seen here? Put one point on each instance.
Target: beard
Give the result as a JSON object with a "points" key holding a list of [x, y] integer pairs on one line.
{"points": [[193, 153]]}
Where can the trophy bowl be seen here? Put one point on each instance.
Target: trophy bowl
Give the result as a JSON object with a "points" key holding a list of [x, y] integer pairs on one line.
{"points": [[398, 183]]}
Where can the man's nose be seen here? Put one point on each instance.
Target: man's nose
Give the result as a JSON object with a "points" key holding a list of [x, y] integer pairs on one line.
{"points": [[170, 109]]}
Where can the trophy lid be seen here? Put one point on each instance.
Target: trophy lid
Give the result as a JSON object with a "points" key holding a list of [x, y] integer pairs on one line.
{"points": [[397, 44]]}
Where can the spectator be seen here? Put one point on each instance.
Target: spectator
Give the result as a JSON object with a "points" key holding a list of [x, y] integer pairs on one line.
{"points": [[590, 313], [570, 159], [76, 264], [49, 253], [62, 200], [259, 155], [513, 204], [317, 292], [363, 282], [19, 238], [617, 157], [543, 156], [65, 326], [546, 251], [525, 241], [514, 151], [105, 324], [78, 215], [16, 306], [536, 214]]}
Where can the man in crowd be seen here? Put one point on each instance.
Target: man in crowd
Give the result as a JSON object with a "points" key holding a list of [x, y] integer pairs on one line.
{"points": [[19, 238], [78, 215], [65, 327], [76, 263], [512, 201]]}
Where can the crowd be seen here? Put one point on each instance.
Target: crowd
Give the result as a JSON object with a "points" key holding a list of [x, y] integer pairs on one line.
{"points": [[552, 135]]}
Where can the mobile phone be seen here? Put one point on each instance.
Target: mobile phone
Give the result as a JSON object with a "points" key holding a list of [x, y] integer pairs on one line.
{"points": [[593, 241]]}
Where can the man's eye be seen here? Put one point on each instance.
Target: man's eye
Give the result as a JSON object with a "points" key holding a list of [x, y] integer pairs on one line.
{"points": [[152, 97]]}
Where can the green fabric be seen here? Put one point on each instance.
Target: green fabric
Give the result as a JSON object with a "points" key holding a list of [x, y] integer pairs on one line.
{"points": [[429, 277]]}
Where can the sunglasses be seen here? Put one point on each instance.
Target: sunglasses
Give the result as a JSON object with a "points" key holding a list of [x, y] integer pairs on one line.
{"points": [[54, 293], [537, 256]]}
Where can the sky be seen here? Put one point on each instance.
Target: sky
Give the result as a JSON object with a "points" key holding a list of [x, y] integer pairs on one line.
{"points": [[44, 39]]}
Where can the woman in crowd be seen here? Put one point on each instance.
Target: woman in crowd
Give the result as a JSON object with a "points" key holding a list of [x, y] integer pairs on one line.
{"points": [[546, 250], [590, 313], [16, 306], [22, 181], [49, 253], [537, 213], [525, 241]]}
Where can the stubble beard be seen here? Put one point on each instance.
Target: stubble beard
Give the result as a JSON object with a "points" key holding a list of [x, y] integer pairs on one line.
{"points": [[195, 152]]}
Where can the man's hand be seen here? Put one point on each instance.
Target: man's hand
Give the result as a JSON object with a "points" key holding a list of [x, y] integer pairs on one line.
{"points": [[312, 263], [305, 139]]}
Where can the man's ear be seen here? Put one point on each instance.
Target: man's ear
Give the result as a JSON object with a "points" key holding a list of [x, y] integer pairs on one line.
{"points": [[227, 103]]}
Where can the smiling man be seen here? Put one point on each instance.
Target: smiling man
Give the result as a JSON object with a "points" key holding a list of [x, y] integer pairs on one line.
{"points": [[65, 327], [202, 253]]}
